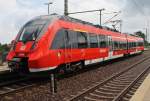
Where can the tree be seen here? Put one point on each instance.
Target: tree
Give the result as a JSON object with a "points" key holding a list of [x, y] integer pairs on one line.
{"points": [[142, 35], [4, 48]]}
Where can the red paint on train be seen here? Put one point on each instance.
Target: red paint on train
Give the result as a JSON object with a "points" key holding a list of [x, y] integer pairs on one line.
{"points": [[34, 44]]}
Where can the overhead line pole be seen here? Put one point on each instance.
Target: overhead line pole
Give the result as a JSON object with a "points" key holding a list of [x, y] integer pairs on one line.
{"points": [[120, 26], [109, 20], [84, 11], [66, 7], [48, 4], [145, 33], [99, 10], [101, 16]]}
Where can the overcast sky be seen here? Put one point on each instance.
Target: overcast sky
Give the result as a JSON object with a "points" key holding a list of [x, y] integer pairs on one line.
{"points": [[14, 13]]}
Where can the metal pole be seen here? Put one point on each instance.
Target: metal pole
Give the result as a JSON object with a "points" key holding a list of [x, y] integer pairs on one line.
{"points": [[148, 39], [146, 35], [66, 7], [100, 23], [100, 10], [101, 16], [53, 84], [48, 4], [120, 26], [48, 9]]}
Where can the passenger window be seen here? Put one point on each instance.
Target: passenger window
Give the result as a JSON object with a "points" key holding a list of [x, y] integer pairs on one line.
{"points": [[93, 41], [124, 45], [116, 45], [102, 41], [59, 40], [82, 40], [73, 43]]}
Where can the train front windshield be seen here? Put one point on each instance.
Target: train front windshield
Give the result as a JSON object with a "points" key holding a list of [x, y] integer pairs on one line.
{"points": [[32, 30]]}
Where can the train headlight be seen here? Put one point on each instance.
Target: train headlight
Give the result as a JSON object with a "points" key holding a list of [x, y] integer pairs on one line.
{"points": [[59, 54]]}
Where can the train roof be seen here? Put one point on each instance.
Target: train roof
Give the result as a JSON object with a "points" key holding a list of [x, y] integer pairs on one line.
{"points": [[70, 19]]}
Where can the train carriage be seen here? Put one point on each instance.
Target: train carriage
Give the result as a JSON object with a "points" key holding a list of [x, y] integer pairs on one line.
{"points": [[52, 42]]}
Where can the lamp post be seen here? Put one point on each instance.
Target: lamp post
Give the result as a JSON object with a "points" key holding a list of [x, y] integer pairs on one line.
{"points": [[48, 4]]}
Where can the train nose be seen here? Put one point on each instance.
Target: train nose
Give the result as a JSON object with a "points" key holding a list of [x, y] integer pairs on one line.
{"points": [[19, 65], [24, 47]]}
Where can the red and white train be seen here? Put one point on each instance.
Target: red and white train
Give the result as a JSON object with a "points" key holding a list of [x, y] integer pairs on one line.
{"points": [[60, 42]]}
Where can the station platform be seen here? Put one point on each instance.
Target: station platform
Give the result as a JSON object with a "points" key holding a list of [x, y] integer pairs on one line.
{"points": [[143, 92], [4, 67], [146, 49]]}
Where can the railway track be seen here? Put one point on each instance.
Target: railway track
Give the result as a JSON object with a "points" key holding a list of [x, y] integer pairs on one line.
{"points": [[9, 86], [119, 87], [17, 83]]}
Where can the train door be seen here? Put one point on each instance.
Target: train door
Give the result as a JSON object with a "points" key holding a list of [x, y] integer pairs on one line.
{"points": [[72, 54], [110, 47], [73, 42], [68, 47]]}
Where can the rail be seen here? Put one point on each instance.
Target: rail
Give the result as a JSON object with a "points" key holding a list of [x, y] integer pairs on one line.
{"points": [[98, 85]]}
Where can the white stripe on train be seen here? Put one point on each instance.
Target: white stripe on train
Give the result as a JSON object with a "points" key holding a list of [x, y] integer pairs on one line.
{"points": [[42, 69], [87, 62]]}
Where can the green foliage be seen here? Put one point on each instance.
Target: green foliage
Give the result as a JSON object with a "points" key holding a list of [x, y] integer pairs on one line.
{"points": [[142, 35], [4, 48]]}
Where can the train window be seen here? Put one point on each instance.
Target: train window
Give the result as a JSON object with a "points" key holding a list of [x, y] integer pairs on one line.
{"points": [[120, 44], [124, 45], [102, 41], [116, 45], [82, 40], [129, 44], [140, 43], [113, 45], [109, 43], [59, 40], [93, 41], [106, 41], [99, 39], [33, 29], [133, 44], [30, 33], [72, 40]]}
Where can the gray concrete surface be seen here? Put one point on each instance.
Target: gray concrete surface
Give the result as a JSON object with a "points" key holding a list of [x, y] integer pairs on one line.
{"points": [[143, 92], [4, 67]]}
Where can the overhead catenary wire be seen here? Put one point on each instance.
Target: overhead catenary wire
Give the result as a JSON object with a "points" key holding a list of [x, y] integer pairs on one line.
{"points": [[140, 9], [112, 18]]}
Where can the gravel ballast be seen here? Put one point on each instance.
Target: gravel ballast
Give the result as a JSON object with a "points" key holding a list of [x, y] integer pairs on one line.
{"points": [[72, 85]]}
